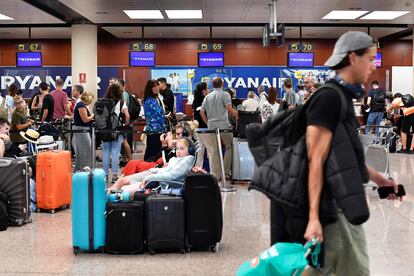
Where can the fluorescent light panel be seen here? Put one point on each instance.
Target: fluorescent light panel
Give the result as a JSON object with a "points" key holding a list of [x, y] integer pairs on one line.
{"points": [[384, 15], [344, 14], [144, 14], [5, 17], [184, 14]]}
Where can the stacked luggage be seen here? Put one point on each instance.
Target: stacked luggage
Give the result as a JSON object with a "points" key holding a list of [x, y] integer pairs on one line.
{"points": [[159, 223]]}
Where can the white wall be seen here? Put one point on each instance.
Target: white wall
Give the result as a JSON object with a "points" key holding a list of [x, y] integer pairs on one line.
{"points": [[402, 79]]}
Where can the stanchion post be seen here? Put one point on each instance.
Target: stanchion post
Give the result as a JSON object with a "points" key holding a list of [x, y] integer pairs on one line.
{"points": [[93, 140], [225, 188]]}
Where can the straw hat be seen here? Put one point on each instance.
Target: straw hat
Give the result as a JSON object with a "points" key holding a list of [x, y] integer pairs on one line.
{"points": [[30, 135]]}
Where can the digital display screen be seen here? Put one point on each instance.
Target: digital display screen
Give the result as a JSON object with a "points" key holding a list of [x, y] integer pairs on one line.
{"points": [[300, 59], [211, 59], [378, 60], [29, 59], [142, 59]]}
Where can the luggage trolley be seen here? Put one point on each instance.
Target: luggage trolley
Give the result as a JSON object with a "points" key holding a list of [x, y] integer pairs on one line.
{"points": [[377, 152]]}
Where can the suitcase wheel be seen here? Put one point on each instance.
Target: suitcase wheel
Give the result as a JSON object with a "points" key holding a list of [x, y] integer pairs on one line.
{"points": [[213, 249], [152, 252], [38, 210], [52, 211], [188, 249], [182, 250], [68, 207], [75, 250], [102, 249]]}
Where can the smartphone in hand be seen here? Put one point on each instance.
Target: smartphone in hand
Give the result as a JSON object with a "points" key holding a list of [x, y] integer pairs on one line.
{"points": [[383, 192]]}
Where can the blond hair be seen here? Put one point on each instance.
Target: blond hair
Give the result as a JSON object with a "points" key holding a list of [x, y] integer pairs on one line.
{"points": [[87, 97]]}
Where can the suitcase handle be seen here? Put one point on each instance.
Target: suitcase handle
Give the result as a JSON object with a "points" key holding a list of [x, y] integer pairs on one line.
{"points": [[5, 162]]}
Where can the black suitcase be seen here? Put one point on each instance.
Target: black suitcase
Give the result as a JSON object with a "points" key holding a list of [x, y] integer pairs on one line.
{"points": [[14, 183], [125, 227], [165, 223], [204, 214]]}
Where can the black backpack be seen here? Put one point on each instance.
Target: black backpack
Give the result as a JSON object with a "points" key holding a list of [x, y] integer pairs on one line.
{"points": [[378, 101], [4, 217], [106, 119], [134, 108]]}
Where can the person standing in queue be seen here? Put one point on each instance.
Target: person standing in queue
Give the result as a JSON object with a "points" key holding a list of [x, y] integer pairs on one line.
{"points": [[167, 95], [215, 113], [48, 104], [113, 148], [81, 142], [155, 120]]}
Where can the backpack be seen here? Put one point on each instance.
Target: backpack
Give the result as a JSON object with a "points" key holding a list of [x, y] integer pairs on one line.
{"points": [[106, 119], [4, 217], [408, 100], [378, 101], [49, 129], [3, 109], [134, 108], [281, 131]]}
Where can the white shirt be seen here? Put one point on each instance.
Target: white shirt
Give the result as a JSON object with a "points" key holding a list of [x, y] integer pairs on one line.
{"points": [[250, 105]]}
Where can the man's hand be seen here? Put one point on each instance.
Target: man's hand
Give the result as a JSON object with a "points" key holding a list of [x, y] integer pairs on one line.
{"points": [[314, 229], [384, 182], [5, 138], [142, 185]]}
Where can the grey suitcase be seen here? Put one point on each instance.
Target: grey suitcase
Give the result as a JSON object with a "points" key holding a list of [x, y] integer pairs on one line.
{"points": [[14, 182], [243, 161]]}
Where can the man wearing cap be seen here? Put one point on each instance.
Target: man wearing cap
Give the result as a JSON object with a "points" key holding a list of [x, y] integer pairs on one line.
{"points": [[19, 121], [336, 162]]}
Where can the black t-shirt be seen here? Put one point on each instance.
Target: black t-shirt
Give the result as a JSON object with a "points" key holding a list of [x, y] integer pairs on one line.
{"points": [[49, 104], [324, 108], [168, 99]]}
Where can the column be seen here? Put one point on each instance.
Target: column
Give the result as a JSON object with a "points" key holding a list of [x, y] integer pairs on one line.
{"points": [[85, 56]]}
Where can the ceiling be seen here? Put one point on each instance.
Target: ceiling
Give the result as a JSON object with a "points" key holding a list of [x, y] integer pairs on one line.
{"points": [[110, 16]]}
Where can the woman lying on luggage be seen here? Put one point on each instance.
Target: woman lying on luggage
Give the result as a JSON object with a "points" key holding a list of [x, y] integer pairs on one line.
{"points": [[168, 143], [175, 170]]}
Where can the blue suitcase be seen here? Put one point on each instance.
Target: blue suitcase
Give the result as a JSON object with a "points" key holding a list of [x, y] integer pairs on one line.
{"points": [[88, 211]]}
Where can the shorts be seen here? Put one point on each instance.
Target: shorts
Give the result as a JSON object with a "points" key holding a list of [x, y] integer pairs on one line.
{"points": [[345, 249], [408, 124]]}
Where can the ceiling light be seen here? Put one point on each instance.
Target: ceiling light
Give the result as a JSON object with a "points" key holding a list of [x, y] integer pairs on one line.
{"points": [[5, 17], [144, 14], [184, 14], [384, 15], [344, 14]]}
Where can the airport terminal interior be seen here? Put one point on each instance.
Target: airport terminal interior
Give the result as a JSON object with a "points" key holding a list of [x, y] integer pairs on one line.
{"points": [[129, 133]]}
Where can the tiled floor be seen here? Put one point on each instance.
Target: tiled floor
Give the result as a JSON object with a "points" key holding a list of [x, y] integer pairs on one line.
{"points": [[44, 246]]}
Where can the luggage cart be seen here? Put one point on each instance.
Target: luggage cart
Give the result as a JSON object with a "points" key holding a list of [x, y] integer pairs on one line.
{"points": [[377, 153]]}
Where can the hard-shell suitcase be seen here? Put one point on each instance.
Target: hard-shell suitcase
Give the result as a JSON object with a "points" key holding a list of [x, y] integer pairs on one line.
{"points": [[165, 223], [53, 179], [203, 208], [124, 227], [88, 211], [243, 161], [14, 183]]}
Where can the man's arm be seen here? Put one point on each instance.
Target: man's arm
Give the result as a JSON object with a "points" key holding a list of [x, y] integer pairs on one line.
{"points": [[232, 111], [67, 109], [44, 115], [203, 116], [383, 182], [318, 143]]}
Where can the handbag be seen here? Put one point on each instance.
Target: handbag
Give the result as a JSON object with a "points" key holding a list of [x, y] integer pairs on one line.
{"points": [[282, 259]]}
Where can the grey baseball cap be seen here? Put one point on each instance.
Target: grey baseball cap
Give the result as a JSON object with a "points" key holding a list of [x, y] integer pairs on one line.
{"points": [[349, 42]]}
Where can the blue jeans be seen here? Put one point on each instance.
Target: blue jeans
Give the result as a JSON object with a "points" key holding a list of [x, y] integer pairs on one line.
{"points": [[114, 149], [374, 118]]}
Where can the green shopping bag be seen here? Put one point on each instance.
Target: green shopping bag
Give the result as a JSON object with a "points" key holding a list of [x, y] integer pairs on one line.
{"points": [[281, 259]]}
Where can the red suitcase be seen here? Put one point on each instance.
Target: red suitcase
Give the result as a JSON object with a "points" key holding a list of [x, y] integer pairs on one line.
{"points": [[53, 180]]}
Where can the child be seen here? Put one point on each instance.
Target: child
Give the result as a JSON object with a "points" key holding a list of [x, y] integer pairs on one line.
{"points": [[175, 170]]}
